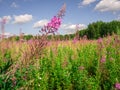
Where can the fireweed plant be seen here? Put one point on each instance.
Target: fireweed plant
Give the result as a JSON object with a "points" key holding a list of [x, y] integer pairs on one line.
{"points": [[79, 64], [55, 23], [36, 46], [30, 51]]}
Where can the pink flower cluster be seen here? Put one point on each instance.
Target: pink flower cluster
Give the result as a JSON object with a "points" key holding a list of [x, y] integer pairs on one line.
{"points": [[100, 40], [54, 24], [117, 86], [75, 40], [103, 59]]}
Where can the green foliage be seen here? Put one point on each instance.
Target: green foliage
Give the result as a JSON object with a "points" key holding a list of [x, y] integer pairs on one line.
{"points": [[5, 62], [74, 66], [95, 30], [101, 29], [28, 37], [60, 71], [17, 38]]}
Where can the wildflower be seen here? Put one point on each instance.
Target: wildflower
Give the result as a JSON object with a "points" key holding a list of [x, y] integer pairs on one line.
{"points": [[55, 22], [100, 40], [117, 86], [53, 25], [30, 41], [74, 40], [39, 85], [81, 68], [61, 13], [102, 60], [40, 78], [13, 81]]}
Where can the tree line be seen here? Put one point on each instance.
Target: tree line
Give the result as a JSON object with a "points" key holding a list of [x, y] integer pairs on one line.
{"points": [[93, 31], [100, 29]]}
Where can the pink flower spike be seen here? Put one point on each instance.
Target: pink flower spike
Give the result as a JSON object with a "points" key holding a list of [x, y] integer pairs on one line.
{"points": [[55, 22]]}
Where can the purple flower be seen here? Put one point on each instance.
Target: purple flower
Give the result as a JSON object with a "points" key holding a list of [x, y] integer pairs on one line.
{"points": [[100, 40], [55, 22], [102, 60], [30, 41], [74, 40], [117, 86], [52, 26], [61, 13]]}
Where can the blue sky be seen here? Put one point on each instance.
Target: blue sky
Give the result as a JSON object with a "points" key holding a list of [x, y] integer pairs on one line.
{"points": [[31, 15]]}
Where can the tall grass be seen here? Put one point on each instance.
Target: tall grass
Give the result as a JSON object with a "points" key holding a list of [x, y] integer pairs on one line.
{"points": [[65, 65]]}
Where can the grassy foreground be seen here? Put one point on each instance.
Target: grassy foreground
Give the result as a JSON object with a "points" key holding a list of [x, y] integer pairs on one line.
{"points": [[62, 65]]}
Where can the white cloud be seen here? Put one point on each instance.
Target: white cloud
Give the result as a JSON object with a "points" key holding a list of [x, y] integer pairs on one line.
{"points": [[7, 34], [65, 28], [6, 18], [68, 26], [71, 28], [108, 5], [40, 23], [14, 5], [86, 2], [22, 19]]}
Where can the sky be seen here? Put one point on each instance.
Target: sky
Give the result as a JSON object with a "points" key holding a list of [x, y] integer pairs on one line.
{"points": [[30, 16]]}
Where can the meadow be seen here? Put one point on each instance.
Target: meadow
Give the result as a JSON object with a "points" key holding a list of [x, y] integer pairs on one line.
{"points": [[78, 63], [60, 65]]}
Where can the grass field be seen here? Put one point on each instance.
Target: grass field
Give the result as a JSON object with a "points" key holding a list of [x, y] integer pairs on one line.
{"points": [[61, 65]]}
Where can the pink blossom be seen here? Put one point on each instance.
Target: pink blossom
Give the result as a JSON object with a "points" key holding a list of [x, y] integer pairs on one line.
{"points": [[117, 86], [103, 59], [30, 41], [74, 40], [55, 22], [100, 40]]}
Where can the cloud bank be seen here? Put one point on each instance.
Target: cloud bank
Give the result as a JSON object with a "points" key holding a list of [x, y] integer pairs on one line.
{"points": [[21, 19], [40, 23], [71, 28], [86, 2], [66, 28], [108, 5]]}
